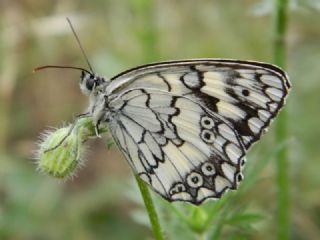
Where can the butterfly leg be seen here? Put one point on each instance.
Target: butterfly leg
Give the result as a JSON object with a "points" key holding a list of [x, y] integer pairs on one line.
{"points": [[96, 128], [103, 118]]}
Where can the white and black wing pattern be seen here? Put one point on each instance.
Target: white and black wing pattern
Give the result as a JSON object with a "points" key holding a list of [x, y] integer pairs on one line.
{"points": [[185, 126], [183, 150], [245, 93]]}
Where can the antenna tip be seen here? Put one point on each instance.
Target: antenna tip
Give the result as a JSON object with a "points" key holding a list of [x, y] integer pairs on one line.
{"points": [[37, 69]]}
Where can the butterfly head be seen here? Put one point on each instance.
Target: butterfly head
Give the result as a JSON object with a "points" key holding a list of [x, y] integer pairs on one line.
{"points": [[90, 82]]}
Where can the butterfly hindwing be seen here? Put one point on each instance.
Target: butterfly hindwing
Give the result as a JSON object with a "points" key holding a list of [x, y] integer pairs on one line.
{"points": [[181, 149]]}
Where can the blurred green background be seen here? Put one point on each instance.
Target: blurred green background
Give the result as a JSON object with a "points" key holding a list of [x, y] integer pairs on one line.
{"points": [[103, 201]]}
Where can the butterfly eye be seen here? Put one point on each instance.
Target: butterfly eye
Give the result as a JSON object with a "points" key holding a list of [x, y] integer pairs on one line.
{"points": [[90, 82]]}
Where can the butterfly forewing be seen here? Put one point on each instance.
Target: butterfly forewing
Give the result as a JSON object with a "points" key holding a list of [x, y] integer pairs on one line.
{"points": [[184, 126]]}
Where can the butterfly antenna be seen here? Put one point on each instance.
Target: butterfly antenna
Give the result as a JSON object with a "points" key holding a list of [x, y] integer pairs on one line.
{"points": [[79, 43], [57, 66]]}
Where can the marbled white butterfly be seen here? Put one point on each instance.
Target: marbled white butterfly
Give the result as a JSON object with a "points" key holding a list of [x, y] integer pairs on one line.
{"points": [[185, 126]]}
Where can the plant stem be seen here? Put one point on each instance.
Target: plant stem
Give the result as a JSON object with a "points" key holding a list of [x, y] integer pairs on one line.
{"points": [[281, 126], [154, 220]]}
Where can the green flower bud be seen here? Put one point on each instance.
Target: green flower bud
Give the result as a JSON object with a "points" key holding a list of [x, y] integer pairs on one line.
{"points": [[56, 158], [61, 151]]}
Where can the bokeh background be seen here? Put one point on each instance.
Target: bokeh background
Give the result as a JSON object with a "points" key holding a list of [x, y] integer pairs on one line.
{"points": [[103, 201]]}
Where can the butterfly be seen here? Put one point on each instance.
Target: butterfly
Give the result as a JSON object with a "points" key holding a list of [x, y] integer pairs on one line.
{"points": [[185, 126]]}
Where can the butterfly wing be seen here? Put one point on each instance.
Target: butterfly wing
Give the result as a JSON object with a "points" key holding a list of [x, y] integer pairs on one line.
{"points": [[246, 94], [184, 126], [183, 150]]}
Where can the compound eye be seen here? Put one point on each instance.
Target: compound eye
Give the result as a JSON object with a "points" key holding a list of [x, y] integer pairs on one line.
{"points": [[90, 82]]}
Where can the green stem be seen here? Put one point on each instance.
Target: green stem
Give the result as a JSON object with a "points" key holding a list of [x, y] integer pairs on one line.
{"points": [[154, 220], [281, 127]]}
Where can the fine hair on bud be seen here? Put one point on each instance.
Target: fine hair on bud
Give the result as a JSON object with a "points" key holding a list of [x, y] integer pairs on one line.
{"points": [[60, 152]]}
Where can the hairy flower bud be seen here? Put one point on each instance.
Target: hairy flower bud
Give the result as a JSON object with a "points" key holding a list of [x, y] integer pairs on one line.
{"points": [[61, 151], [58, 157]]}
